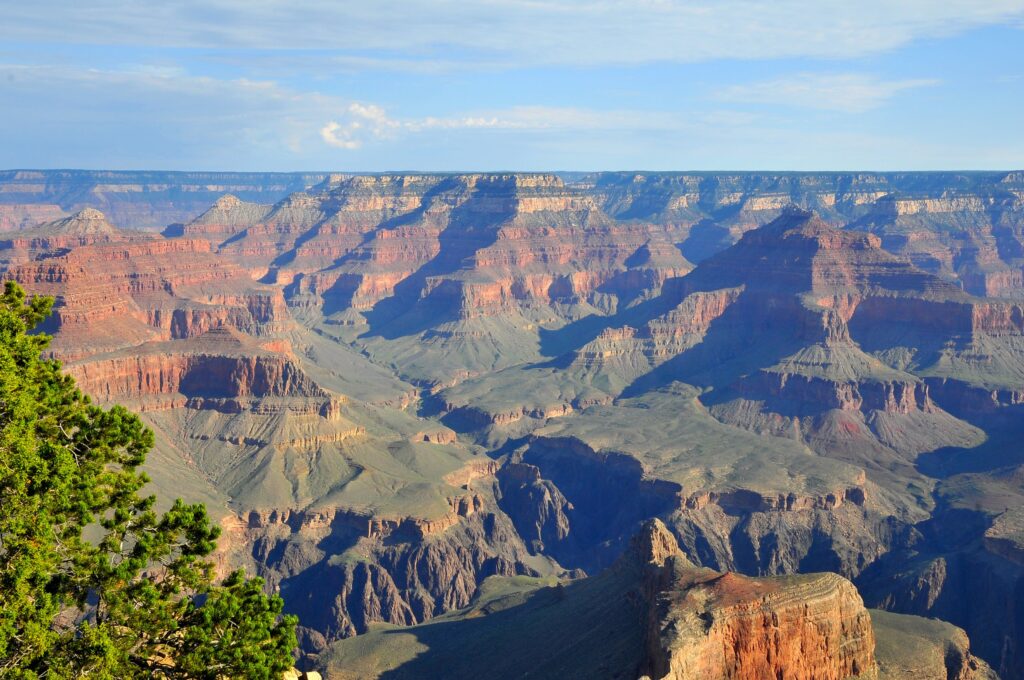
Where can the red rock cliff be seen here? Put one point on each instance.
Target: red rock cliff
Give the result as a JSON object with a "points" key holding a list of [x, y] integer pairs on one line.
{"points": [[703, 625]]}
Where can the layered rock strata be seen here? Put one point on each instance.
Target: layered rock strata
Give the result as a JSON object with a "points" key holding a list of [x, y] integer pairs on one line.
{"points": [[556, 323], [706, 626]]}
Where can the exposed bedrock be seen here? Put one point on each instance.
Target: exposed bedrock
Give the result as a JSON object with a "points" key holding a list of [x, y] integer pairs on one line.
{"points": [[475, 245], [145, 199], [844, 539], [916, 648], [654, 615], [537, 507], [555, 500], [945, 317], [115, 295], [954, 575], [342, 571], [802, 330], [973, 401], [135, 377], [19, 217], [552, 486], [252, 312], [579, 506], [703, 625], [800, 395]]}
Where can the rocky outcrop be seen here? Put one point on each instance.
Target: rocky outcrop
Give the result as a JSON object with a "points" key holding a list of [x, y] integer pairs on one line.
{"points": [[401, 571], [825, 306], [655, 615], [959, 567], [295, 674], [1006, 536], [983, 251], [803, 288], [578, 504], [207, 368], [120, 294], [575, 503], [972, 400], [227, 217], [480, 417], [740, 501], [484, 245], [705, 625], [537, 507], [960, 225], [916, 648], [84, 228]]}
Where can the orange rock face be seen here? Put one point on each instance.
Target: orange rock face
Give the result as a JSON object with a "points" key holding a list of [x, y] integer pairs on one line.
{"points": [[483, 244], [133, 377], [818, 630], [708, 626], [118, 294]]}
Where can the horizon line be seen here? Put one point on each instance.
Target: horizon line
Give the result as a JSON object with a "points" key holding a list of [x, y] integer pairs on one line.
{"points": [[523, 172]]}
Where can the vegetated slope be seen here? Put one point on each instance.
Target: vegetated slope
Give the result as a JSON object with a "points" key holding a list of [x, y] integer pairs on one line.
{"points": [[397, 386]]}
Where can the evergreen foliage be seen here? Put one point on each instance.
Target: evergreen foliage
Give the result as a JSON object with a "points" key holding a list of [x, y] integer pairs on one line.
{"points": [[93, 581]]}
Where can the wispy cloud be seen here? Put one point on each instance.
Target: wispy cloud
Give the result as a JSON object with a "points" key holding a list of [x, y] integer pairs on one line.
{"points": [[361, 123], [206, 118], [133, 109], [846, 92], [513, 32]]}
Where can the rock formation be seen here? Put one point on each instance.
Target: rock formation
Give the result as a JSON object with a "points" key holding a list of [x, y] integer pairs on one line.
{"points": [[16, 217], [916, 648], [147, 200], [390, 389], [228, 216], [706, 626], [655, 615], [118, 293]]}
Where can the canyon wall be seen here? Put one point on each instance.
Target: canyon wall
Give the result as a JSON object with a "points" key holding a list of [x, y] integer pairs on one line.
{"points": [[395, 387]]}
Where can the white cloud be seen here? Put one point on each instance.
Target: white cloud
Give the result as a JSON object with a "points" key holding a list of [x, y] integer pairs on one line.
{"points": [[361, 120], [340, 136], [205, 118], [846, 92], [364, 122], [512, 32]]}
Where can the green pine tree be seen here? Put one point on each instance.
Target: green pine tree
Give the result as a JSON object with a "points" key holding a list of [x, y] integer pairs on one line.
{"points": [[93, 581]]}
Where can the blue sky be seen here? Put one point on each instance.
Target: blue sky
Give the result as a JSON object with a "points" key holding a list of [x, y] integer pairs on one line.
{"points": [[381, 85]]}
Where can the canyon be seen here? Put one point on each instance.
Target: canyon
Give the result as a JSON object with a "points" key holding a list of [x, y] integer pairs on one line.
{"points": [[721, 411]]}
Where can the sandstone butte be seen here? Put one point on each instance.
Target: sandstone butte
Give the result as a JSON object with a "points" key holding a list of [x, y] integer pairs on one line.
{"points": [[393, 390]]}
